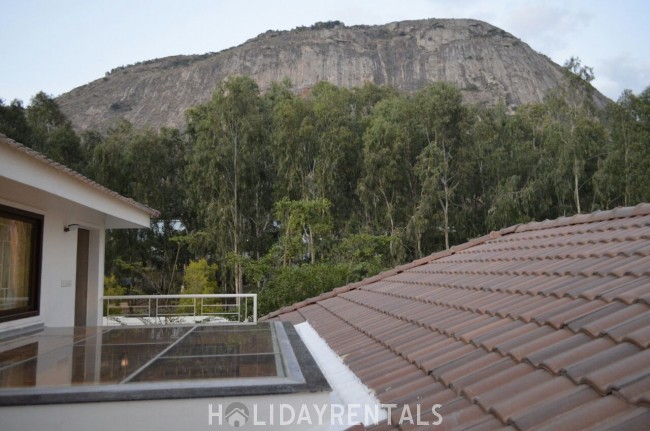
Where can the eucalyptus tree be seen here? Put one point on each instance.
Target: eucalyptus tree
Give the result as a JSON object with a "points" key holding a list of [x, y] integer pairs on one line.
{"points": [[506, 145], [147, 166], [337, 162], [293, 145], [574, 139], [388, 187], [109, 163], [622, 177], [439, 117], [229, 170]]}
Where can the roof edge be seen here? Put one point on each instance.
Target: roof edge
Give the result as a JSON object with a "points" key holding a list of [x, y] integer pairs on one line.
{"points": [[619, 212], [76, 175], [596, 216]]}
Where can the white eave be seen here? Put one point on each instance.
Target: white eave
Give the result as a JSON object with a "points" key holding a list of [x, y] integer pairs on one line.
{"points": [[347, 388], [26, 166]]}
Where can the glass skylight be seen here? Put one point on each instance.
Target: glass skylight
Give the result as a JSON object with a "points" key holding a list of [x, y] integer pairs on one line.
{"points": [[95, 364]]}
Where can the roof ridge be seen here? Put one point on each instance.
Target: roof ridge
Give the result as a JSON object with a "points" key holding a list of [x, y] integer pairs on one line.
{"points": [[596, 216], [36, 155]]}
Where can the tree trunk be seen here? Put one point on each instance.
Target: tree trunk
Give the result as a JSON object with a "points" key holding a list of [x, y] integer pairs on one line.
{"points": [[445, 183], [238, 274], [312, 248], [576, 185], [626, 161], [446, 215]]}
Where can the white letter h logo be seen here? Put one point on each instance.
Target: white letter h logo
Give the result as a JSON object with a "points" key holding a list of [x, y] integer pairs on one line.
{"points": [[212, 414]]}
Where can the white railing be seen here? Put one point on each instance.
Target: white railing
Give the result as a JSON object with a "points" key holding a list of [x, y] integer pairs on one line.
{"points": [[179, 309]]}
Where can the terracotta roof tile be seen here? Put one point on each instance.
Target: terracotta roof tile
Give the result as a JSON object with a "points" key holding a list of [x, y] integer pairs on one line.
{"points": [[524, 350], [633, 289], [587, 322], [563, 346], [488, 330], [636, 419], [420, 341], [489, 383], [547, 307], [616, 375], [293, 317], [538, 326], [544, 410], [430, 351], [459, 318], [474, 322], [621, 317], [587, 365], [639, 336], [411, 392], [474, 376], [505, 340], [452, 353], [576, 309], [526, 309], [518, 385], [587, 289], [589, 414], [493, 331], [637, 392], [529, 398], [469, 365], [400, 376], [567, 358], [369, 359]]}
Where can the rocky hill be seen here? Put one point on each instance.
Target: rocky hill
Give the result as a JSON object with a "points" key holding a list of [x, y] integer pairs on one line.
{"points": [[485, 62]]}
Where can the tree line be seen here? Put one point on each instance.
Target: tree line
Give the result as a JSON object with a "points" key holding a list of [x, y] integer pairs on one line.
{"points": [[289, 196]]}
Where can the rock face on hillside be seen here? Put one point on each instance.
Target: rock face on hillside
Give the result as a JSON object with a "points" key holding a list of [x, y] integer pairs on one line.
{"points": [[485, 62]]}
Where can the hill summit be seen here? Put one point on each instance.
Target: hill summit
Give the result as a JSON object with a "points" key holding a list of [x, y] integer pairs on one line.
{"points": [[486, 63]]}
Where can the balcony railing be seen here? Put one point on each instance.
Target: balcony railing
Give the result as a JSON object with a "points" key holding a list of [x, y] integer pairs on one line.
{"points": [[179, 309]]}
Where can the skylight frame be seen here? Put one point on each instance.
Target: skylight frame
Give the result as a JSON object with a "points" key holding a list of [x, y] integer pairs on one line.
{"points": [[300, 373]]}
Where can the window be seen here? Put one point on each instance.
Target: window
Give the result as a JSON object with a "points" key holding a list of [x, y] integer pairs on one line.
{"points": [[20, 263]]}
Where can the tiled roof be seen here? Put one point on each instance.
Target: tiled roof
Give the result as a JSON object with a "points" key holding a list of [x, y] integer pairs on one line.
{"points": [[74, 174], [538, 326]]}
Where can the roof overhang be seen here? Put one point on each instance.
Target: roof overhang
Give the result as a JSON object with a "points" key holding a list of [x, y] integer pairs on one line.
{"points": [[25, 166]]}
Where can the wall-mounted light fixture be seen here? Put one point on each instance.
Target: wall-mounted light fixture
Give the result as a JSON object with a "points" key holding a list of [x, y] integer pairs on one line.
{"points": [[124, 361], [70, 227]]}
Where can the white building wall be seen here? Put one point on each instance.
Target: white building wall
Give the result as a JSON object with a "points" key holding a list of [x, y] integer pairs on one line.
{"points": [[30, 184], [95, 277], [59, 254]]}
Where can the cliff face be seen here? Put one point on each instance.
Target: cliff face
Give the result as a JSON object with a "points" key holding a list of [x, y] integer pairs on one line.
{"points": [[485, 62]]}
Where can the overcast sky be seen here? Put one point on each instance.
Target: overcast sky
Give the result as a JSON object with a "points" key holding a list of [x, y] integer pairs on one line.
{"points": [[57, 45]]}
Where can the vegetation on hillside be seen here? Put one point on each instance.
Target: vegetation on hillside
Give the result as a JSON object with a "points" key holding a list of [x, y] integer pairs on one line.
{"points": [[291, 196]]}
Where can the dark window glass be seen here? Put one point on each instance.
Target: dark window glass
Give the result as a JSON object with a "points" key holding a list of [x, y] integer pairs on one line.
{"points": [[20, 263]]}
